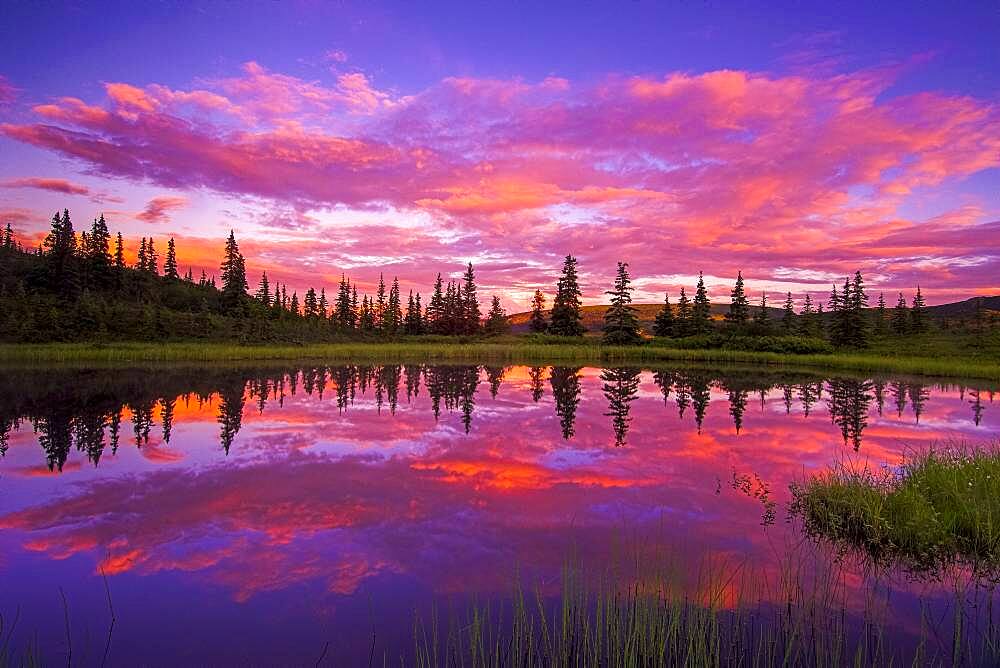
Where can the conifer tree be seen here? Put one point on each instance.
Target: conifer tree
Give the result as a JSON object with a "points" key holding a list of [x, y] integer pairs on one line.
{"points": [[683, 325], [739, 306], [140, 259], [918, 317], [537, 323], [170, 264], [189, 277], [60, 251], [807, 324], [701, 309], [496, 319], [762, 318], [380, 304], [322, 306], [394, 312], [664, 323], [419, 319], [857, 302], [152, 259], [98, 249], [470, 314], [310, 304], [435, 309], [264, 290], [838, 326], [344, 310], [8, 238], [412, 319], [881, 316], [119, 252], [566, 318], [788, 316], [621, 327], [234, 277]]}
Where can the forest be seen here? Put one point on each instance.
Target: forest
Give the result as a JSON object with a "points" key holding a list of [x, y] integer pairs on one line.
{"points": [[78, 286]]}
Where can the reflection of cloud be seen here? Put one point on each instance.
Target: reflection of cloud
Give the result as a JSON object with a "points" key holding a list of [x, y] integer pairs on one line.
{"points": [[312, 494]]}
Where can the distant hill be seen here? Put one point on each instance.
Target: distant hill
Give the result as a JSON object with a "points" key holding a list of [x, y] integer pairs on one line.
{"points": [[593, 316]]}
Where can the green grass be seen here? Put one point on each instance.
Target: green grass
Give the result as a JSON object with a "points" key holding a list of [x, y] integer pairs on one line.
{"points": [[941, 508], [932, 360]]}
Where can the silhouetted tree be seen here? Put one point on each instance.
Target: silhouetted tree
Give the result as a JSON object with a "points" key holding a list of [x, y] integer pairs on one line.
{"points": [[683, 326], [470, 314], [918, 317], [788, 316], [663, 325], [701, 310], [537, 324], [496, 320], [566, 318], [170, 264], [234, 277], [900, 321], [739, 307], [621, 327]]}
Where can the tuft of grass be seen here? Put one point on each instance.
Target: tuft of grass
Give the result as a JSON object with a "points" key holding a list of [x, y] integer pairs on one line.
{"points": [[940, 508], [512, 349]]}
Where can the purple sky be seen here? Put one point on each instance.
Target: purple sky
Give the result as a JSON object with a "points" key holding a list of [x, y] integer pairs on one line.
{"points": [[796, 144]]}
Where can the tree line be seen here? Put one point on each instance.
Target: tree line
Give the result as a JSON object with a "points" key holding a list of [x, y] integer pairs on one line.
{"points": [[80, 286]]}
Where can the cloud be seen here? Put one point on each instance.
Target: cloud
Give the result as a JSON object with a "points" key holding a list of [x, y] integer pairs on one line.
{"points": [[55, 185], [158, 209], [714, 171], [7, 91]]}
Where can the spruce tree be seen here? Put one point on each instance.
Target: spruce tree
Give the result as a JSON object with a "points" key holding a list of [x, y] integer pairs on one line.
{"points": [[263, 290], [838, 324], [170, 264], [683, 325], [496, 320], [788, 316], [140, 258], [857, 302], [762, 318], [322, 306], [380, 304], [435, 309], [739, 306], [621, 327], [664, 323], [293, 305], [419, 319], [393, 318], [918, 316], [537, 323], [701, 310], [310, 304], [807, 324], [881, 317], [152, 259], [99, 250], [566, 318], [234, 277], [470, 314], [411, 324], [119, 252]]}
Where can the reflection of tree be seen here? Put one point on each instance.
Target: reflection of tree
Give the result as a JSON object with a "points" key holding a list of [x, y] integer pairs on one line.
{"points": [[55, 435], [455, 387], [879, 388], [535, 374], [230, 413], [700, 397], [848, 404], [899, 397], [90, 435], [665, 381], [167, 417], [919, 394], [977, 406], [413, 372], [737, 406], [494, 376], [565, 382], [787, 396], [345, 381], [809, 394], [621, 385], [142, 421]]}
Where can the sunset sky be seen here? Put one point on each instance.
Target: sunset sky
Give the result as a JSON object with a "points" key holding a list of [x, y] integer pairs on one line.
{"points": [[796, 144]]}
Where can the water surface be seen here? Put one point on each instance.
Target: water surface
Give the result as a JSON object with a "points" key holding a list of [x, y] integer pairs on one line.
{"points": [[262, 513]]}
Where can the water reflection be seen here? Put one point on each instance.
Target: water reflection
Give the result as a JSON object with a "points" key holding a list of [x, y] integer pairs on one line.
{"points": [[288, 492], [87, 415]]}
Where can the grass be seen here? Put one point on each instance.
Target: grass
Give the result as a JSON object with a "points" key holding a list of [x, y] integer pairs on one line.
{"points": [[930, 360], [941, 508]]}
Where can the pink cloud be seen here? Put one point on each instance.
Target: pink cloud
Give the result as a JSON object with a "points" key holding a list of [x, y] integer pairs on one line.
{"points": [[7, 91], [55, 185], [158, 209], [716, 171]]}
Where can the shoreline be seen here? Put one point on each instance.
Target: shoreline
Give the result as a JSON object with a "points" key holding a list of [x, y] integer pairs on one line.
{"points": [[123, 354]]}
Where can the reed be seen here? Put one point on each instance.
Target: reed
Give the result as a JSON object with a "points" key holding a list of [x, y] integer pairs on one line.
{"points": [[509, 350]]}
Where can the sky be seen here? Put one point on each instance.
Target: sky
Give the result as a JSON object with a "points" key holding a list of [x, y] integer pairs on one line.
{"points": [[796, 144]]}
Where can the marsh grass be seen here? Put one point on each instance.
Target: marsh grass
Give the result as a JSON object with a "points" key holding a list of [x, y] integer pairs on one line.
{"points": [[729, 617], [939, 509], [508, 349]]}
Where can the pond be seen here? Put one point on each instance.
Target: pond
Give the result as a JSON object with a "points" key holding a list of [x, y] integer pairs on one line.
{"points": [[301, 513]]}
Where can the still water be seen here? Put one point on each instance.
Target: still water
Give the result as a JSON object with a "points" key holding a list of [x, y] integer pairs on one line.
{"points": [[278, 515]]}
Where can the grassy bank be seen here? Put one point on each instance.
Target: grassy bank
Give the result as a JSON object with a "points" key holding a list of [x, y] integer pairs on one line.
{"points": [[931, 361], [941, 508]]}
